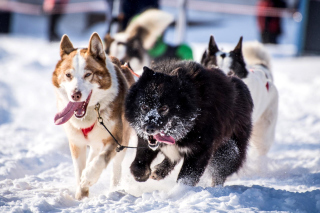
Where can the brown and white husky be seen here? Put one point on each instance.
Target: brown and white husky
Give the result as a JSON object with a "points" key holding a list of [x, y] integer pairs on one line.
{"points": [[82, 78]]}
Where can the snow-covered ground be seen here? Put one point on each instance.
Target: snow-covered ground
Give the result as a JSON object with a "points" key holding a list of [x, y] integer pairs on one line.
{"points": [[36, 171]]}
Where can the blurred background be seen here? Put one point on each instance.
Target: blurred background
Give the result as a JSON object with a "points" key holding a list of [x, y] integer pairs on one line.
{"points": [[290, 25]]}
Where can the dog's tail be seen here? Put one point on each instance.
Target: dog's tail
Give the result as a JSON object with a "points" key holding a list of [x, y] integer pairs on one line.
{"points": [[255, 53]]}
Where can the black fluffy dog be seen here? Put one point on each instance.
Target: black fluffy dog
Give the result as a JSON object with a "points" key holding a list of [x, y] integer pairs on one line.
{"points": [[186, 111]]}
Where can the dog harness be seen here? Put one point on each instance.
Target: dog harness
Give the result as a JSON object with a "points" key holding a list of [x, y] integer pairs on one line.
{"points": [[86, 131]]}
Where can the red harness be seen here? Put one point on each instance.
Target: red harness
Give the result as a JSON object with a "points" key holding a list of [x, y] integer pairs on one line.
{"points": [[133, 73], [86, 131]]}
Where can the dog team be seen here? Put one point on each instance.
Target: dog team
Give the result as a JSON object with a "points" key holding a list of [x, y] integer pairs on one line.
{"points": [[204, 114]]}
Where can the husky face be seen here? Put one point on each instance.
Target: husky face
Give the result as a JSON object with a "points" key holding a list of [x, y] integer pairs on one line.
{"points": [[231, 63], [158, 108], [83, 77]]}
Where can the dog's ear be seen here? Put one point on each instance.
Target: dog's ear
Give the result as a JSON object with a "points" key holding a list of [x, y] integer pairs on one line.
{"points": [[147, 71], [66, 46], [107, 42], [96, 47], [238, 48], [180, 75], [213, 47], [204, 56]]}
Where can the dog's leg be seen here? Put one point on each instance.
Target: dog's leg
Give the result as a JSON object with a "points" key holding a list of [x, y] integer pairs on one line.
{"points": [[140, 167], [193, 168], [116, 176], [93, 170], [78, 154], [163, 169], [117, 162], [224, 162], [94, 151]]}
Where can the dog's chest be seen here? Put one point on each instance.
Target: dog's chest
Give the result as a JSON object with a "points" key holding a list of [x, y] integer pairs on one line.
{"points": [[173, 152]]}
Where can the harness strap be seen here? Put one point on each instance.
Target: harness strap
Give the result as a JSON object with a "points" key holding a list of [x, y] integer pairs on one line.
{"points": [[119, 147], [132, 72]]}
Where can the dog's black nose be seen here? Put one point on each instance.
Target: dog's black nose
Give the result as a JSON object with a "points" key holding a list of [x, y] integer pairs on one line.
{"points": [[150, 129], [223, 55], [76, 96]]}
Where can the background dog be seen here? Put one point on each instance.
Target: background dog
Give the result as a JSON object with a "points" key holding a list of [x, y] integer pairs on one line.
{"points": [[185, 111], [252, 64], [142, 41], [83, 78]]}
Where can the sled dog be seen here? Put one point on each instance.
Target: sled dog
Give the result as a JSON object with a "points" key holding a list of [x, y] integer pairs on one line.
{"points": [[82, 78], [142, 42], [184, 110], [252, 64]]}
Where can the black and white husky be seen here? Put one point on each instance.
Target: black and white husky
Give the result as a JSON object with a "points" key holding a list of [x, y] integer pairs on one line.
{"points": [[252, 64], [132, 45], [185, 111]]}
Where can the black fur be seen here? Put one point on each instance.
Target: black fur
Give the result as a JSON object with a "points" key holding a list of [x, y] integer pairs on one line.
{"points": [[237, 67], [209, 115]]}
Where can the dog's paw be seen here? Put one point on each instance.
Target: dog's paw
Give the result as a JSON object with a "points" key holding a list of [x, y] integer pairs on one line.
{"points": [[81, 193], [140, 172], [88, 177], [158, 174]]}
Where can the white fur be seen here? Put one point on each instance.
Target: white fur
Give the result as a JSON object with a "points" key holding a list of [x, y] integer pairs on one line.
{"points": [[223, 63], [138, 65], [172, 152], [88, 172], [154, 21], [117, 49], [255, 53]]}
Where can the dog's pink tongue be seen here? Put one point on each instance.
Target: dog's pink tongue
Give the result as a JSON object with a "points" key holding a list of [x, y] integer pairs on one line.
{"points": [[164, 139], [67, 112]]}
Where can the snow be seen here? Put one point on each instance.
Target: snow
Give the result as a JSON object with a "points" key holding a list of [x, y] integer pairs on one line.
{"points": [[36, 171]]}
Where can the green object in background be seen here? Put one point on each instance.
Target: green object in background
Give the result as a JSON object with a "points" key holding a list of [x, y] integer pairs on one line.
{"points": [[158, 49], [184, 52]]}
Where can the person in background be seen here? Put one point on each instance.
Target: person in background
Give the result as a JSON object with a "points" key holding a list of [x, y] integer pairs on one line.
{"points": [[130, 8], [269, 26], [5, 19], [55, 9]]}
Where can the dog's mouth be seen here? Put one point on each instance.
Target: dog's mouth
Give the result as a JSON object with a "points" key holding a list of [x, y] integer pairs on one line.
{"points": [[78, 109], [155, 140]]}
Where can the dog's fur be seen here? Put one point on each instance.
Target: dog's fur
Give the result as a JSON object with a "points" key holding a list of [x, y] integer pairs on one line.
{"points": [[252, 64], [91, 73], [206, 113]]}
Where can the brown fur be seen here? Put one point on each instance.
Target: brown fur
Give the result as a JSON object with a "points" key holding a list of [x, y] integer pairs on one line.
{"points": [[74, 150]]}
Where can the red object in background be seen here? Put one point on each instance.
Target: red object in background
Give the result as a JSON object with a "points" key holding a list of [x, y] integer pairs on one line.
{"points": [[269, 26]]}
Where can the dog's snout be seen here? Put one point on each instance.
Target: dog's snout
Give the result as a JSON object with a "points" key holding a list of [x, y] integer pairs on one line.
{"points": [[223, 55], [150, 129], [76, 96]]}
